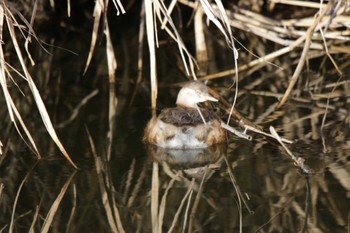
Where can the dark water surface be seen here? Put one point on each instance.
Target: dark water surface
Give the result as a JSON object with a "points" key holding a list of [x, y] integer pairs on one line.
{"points": [[252, 186]]}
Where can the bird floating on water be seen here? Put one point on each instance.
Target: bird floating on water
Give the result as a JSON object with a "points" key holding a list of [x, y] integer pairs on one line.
{"points": [[186, 126]]}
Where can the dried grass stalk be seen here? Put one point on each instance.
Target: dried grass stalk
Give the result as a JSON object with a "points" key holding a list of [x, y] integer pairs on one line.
{"points": [[98, 10], [12, 222], [201, 48], [108, 202], [319, 22], [51, 214], [151, 47], [187, 195], [6, 14], [155, 197]]}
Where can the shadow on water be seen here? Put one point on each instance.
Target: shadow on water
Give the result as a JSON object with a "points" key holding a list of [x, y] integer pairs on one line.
{"points": [[248, 186]]}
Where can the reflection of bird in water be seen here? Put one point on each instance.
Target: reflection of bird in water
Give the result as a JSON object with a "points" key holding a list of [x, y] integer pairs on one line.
{"points": [[192, 162], [186, 126], [187, 158]]}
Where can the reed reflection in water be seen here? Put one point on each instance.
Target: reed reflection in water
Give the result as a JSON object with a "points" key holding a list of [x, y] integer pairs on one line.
{"points": [[248, 187]]}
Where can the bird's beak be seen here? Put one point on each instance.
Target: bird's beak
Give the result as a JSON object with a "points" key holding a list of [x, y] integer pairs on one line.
{"points": [[210, 98]]}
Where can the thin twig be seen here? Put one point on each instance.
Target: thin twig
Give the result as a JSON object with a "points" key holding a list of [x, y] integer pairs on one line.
{"points": [[298, 161], [310, 31]]}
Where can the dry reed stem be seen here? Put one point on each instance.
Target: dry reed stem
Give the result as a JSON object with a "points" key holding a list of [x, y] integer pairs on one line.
{"points": [[6, 13], [111, 211], [328, 53], [300, 3], [1, 189], [36, 213], [236, 132], [35, 218], [150, 29], [12, 222], [313, 98], [298, 161], [162, 206], [129, 178], [322, 127], [163, 15], [325, 115], [177, 214], [116, 211], [273, 55], [317, 22], [28, 39], [242, 121], [68, 8], [28, 27], [241, 198], [155, 197], [187, 210], [197, 199], [76, 110], [71, 216], [98, 9], [168, 171], [137, 187], [169, 11], [225, 28], [8, 99], [118, 6], [201, 48], [276, 31], [227, 107], [51, 214], [224, 25], [258, 61], [307, 117], [188, 61], [139, 55], [24, 127], [113, 101], [276, 34]]}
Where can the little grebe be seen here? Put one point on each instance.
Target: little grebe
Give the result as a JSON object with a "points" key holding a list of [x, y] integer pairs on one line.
{"points": [[186, 126]]}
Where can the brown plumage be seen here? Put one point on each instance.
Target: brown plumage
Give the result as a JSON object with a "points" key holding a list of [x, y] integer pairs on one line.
{"points": [[181, 116]]}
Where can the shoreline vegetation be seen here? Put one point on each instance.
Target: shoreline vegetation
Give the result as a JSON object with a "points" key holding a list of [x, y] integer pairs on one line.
{"points": [[323, 32]]}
